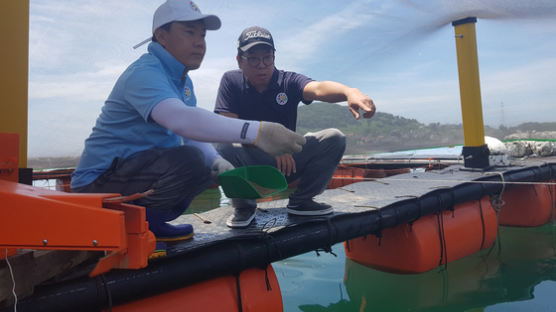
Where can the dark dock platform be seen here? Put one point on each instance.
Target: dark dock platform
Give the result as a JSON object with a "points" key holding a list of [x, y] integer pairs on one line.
{"points": [[363, 208]]}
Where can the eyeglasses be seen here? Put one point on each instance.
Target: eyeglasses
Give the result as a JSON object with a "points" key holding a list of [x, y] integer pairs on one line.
{"points": [[255, 61]]}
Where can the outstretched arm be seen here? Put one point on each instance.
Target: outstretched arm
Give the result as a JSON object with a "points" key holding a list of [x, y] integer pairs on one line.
{"points": [[332, 92], [201, 125]]}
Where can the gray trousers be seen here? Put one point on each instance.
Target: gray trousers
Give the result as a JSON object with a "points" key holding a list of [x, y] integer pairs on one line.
{"points": [[315, 164], [176, 175]]}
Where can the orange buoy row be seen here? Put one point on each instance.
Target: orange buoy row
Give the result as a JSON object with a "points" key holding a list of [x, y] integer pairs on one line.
{"points": [[430, 241], [249, 290], [527, 205], [346, 174]]}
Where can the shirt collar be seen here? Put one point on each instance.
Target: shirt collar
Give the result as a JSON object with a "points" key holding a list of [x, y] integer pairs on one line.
{"points": [[176, 69], [272, 85], [274, 80]]}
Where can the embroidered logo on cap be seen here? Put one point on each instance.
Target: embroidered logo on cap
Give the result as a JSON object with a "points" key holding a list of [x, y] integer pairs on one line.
{"points": [[256, 34], [281, 98], [194, 6], [186, 93]]}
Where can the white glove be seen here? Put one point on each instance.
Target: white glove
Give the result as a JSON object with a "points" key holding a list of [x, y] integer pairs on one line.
{"points": [[220, 165], [276, 139]]}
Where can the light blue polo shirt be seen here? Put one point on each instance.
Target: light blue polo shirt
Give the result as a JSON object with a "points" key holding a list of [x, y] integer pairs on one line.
{"points": [[124, 126]]}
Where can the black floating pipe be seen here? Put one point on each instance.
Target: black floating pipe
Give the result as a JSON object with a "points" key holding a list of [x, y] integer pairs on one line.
{"points": [[234, 255]]}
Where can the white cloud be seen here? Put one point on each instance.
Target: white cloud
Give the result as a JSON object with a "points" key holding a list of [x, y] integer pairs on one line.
{"points": [[310, 39], [531, 78], [79, 48], [526, 91], [207, 79], [75, 86]]}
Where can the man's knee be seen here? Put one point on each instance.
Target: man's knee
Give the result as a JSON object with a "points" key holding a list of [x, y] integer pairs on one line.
{"points": [[189, 159], [334, 138], [337, 136], [226, 150], [234, 154]]}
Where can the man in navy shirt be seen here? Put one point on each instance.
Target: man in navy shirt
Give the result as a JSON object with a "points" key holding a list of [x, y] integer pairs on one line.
{"points": [[259, 91]]}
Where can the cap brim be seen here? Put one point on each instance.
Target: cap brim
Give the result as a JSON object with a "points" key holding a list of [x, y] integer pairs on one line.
{"points": [[212, 22], [252, 44]]}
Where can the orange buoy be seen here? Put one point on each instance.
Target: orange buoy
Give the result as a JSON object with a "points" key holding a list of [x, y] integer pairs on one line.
{"points": [[346, 174], [218, 294], [527, 205], [430, 241]]}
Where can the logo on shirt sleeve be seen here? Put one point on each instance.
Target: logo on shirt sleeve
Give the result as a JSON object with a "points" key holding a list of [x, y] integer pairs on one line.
{"points": [[281, 98], [186, 93]]}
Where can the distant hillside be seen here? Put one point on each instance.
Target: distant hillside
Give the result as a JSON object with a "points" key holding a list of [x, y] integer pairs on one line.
{"points": [[382, 133], [386, 132]]}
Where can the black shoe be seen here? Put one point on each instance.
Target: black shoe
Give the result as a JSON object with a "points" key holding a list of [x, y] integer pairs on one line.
{"points": [[309, 208]]}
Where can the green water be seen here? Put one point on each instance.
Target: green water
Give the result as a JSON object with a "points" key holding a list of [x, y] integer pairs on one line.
{"points": [[518, 274]]}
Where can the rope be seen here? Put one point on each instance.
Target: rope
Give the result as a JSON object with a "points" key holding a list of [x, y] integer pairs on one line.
{"points": [[108, 293], [331, 231], [496, 200], [267, 238], [328, 249], [13, 280], [497, 203], [442, 235], [267, 280], [457, 180], [238, 286], [418, 201], [379, 231], [482, 224], [551, 191]]}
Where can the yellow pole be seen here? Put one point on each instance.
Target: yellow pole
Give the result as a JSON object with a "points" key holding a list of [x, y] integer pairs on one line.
{"points": [[475, 151], [14, 55]]}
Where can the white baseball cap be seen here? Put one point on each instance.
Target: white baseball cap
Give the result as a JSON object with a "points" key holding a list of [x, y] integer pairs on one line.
{"points": [[180, 11]]}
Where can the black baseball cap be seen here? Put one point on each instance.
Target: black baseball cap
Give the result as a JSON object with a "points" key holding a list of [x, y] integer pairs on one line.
{"points": [[253, 36]]}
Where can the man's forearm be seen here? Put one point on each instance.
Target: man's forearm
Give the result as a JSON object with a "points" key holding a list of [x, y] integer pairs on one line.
{"points": [[329, 91]]}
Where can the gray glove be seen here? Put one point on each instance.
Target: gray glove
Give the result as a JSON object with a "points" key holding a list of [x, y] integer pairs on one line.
{"points": [[220, 165], [276, 139]]}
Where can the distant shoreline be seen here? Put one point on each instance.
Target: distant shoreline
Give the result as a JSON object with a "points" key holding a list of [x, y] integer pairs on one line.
{"points": [[71, 162], [52, 162]]}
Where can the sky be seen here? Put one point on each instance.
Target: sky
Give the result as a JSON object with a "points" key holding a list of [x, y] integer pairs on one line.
{"points": [[401, 53]]}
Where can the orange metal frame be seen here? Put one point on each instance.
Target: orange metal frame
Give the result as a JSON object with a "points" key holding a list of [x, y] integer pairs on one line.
{"points": [[35, 218]]}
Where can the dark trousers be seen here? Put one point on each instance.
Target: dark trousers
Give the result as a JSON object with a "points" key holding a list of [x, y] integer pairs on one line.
{"points": [[315, 164], [176, 175]]}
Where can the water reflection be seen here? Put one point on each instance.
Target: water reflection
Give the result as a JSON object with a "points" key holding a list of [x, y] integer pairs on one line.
{"points": [[519, 273], [509, 272]]}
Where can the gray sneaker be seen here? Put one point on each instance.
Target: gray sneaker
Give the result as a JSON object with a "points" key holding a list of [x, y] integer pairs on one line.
{"points": [[244, 213], [309, 208]]}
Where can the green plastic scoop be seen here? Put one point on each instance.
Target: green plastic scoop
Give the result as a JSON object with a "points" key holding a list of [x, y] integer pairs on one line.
{"points": [[252, 182]]}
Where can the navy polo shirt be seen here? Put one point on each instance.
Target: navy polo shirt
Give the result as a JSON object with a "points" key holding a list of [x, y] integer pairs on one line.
{"points": [[278, 103]]}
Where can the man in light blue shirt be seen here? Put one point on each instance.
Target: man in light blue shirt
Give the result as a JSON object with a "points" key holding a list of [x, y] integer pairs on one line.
{"points": [[150, 137]]}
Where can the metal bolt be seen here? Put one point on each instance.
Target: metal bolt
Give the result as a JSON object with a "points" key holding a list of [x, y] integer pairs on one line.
{"points": [[95, 242], [44, 242]]}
